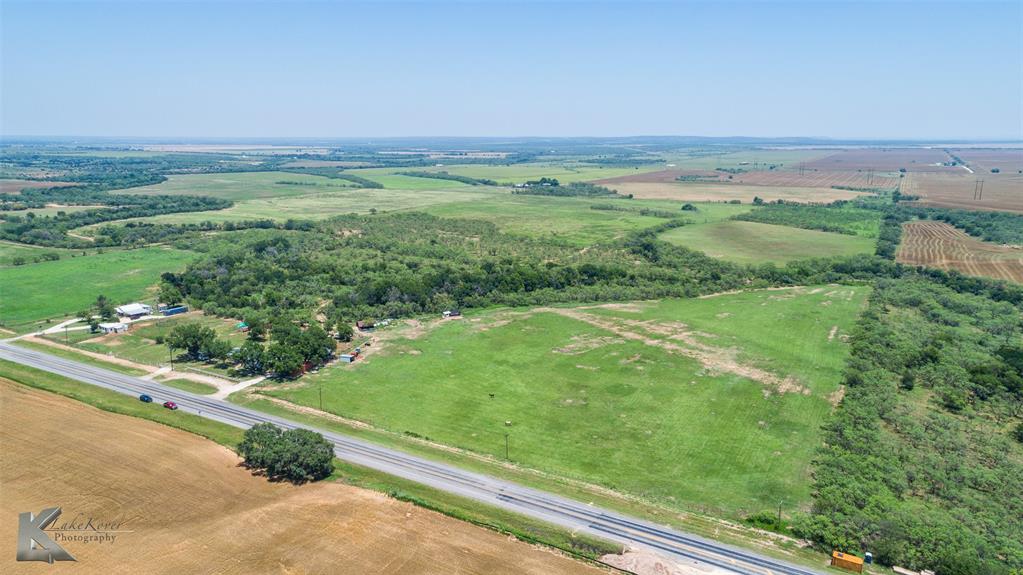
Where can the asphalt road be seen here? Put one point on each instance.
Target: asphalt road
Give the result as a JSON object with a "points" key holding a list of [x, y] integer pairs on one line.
{"points": [[576, 516]]}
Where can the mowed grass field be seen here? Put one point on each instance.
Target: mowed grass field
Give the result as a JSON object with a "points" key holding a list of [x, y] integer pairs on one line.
{"points": [[755, 243], [54, 289], [711, 404], [241, 185]]}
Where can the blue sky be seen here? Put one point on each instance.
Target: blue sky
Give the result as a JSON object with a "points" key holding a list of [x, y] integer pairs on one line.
{"points": [[342, 69]]}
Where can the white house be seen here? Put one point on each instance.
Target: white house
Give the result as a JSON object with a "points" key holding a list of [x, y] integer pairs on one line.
{"points": [[134, 310], [113, 327]]}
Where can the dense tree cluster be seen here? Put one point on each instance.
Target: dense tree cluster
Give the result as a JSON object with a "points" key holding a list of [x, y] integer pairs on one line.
{"points": [[393, 265], [296, 455], [920, 466], [542, 188]]}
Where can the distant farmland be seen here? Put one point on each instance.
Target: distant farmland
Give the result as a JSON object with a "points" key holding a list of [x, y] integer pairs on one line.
{"points": [[1003, 191], [940, 245]]}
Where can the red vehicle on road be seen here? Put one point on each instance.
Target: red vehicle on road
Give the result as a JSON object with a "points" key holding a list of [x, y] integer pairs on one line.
{"points": [[170, 405]]}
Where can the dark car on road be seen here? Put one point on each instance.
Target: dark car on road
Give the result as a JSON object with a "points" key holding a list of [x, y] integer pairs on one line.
{"points": [[145, 398], [170, 405]]}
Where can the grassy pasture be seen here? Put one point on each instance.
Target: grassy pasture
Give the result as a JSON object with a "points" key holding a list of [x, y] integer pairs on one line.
{"points": [[11, 250], [55, 289], [754, 243], [586, 402], [566, 219], [240, 186]]}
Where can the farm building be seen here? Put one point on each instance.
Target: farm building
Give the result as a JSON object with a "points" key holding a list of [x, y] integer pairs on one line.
{"points": [[846, 561], [347, 357], [452, 313], [134, 310], [117, 327]]}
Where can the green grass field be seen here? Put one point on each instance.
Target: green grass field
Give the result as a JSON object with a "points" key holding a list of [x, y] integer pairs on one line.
{"points": [[55, 289], [754, 243], [572, 219], [9, 251], [189, 385], [240, 185], [588, 402]]}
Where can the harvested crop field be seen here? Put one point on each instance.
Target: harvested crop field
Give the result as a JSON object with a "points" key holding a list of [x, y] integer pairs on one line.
{"points": [[217, 517], [958, 190], [940, 245], [981, 160], [885, 160]]}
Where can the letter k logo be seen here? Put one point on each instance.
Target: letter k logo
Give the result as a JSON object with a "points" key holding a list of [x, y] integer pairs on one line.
{"points": [[33, 543]]}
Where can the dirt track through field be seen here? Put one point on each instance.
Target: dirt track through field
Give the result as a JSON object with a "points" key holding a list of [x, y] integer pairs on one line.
{"points": [[940, 245], [188, 507]]}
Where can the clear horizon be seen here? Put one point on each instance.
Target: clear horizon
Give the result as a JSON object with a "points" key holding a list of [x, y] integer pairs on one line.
{"points": [[820, 70]]}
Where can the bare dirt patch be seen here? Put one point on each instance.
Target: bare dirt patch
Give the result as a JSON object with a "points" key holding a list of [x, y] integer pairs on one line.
{"points": [[675, 337], [940, 245], [218, 517]]}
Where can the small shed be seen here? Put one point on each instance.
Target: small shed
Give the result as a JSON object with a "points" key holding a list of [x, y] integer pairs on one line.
{"points": [[118, 327], [347, 357], [175, 310], [846, 561], [365, 324]]}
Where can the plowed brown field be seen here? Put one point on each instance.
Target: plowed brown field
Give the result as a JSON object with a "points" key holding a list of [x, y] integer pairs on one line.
{"points": [[940, 245], [957, 190], [885, 160], [187, 507]]}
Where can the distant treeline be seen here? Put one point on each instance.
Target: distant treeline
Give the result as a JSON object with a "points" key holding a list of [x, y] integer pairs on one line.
{"points": [[452, 177], [336, 174]]}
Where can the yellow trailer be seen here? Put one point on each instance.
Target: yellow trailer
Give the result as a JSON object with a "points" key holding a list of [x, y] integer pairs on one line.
{"points": [[846, 561]]}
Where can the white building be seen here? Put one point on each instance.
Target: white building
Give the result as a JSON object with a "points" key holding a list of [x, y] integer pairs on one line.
{"points": [[113, 327]]}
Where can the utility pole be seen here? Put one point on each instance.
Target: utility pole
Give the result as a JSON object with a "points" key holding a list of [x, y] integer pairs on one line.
{"points": [[321, 394], [506, 446], [65, 336], [170, 354]]}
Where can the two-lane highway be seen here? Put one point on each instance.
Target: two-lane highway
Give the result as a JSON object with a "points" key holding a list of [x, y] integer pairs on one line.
{"points": [[555, 509]]}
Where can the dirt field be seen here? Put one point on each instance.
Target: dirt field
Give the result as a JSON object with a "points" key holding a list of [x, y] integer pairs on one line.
{"points": [[981, 160], [939, 245], [956, 190], [715, 192], [885, 160], [186, 506]]}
